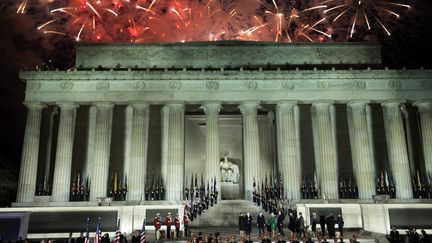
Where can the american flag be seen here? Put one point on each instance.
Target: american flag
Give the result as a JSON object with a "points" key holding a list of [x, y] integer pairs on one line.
{"points": [[117, 233], [87, 238], [98, 236], [143, 232]]}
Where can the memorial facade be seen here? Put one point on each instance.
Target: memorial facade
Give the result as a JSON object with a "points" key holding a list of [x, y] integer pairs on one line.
{"points": [[234, 112]]}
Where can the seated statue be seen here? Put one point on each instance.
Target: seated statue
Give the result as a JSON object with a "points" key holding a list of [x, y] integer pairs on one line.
{"points": [[229, 171]]}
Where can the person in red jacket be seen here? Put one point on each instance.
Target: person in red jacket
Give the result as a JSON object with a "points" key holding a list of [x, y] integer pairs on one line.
{"points": [[168, 222], [186, 223], [157, 224], [177, 225]]}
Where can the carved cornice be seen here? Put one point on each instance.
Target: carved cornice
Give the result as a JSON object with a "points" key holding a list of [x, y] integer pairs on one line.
{"points": [[120, 75], [161, 86], [224, 54]]}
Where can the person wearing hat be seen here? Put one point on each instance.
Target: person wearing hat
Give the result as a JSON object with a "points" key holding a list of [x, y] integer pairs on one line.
{"points": [[168, 221], [186, 224], [177, 225], [157, 224]]}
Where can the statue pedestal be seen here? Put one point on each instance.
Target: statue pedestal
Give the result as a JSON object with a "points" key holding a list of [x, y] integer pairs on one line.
{"points": [[230, 190]]}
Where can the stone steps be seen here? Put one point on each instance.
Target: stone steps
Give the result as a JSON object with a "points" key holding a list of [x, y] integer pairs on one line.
{"points": [[226, 212]]}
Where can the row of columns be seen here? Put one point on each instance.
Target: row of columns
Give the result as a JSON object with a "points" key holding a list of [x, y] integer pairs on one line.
{"points": [[288, 147]]}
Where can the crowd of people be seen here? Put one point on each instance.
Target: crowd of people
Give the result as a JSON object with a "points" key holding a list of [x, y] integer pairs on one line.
{"points": [[271, 230], [412, 236], [274, 227]]}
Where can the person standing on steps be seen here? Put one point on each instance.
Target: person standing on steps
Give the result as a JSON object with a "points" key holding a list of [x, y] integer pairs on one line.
{"points": [[314, 222], [341, 223], [330, 221], [322, 221], [241, 224], [248, 223], [300, 226], [186, 224], [168, 222], [157, 224], [292, 223], [177, 225], [280, 219], [273, 224], [261, 224]]}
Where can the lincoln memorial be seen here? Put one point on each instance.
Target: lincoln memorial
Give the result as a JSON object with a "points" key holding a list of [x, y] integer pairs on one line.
{"points": [[234, 114]]}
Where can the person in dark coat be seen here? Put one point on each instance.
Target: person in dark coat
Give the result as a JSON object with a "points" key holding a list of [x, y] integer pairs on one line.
{"points": [[314, 222], [248, 223], [330, 221], [81, 238], [300, 226], [106, 238], [70, 239], [341, 223], [425, 238], [241, 223], [280, 219], [135, 237], [413, 236], [261, 224], [394, 236], [322, 221], [123, 238], [292, 223]]}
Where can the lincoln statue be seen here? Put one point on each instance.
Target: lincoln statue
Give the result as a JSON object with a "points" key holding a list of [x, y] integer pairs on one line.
{"points": [[229, 170]]}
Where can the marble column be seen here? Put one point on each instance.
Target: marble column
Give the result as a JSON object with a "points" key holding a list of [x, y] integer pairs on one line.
{"points": [[212, 164], [30, 151], [397, 148], [87, 170], [250, 145], [326, 162], [362, 148], [425, 112], [288, 147], [46, 185], [175, 152], [138, 153], [164, 141], [63, 161], [101, 148]]}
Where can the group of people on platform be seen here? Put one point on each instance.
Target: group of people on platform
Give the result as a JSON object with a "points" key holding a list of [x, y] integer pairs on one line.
{"points": [[412, 236], [169, 222], [296, 225], [274, 227]]}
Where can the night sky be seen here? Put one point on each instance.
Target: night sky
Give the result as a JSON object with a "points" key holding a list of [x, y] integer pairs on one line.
{"points": [[22, 47]]}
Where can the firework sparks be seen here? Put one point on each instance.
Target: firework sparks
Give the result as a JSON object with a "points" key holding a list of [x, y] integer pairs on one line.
{"points": [[381, 11], [22, 7], [47, 23], [210, 20]]}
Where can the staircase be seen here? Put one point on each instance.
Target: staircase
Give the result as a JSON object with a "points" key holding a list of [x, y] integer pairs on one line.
{"points": [[226, 213]]}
